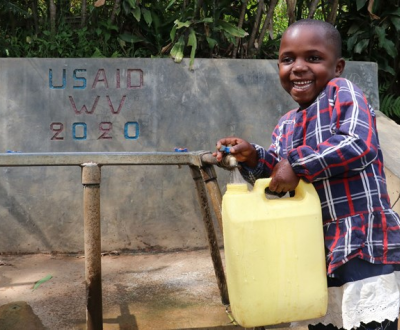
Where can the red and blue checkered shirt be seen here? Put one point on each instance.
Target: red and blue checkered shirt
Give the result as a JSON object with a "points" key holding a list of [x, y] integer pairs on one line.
{"points": [[334, 145]]}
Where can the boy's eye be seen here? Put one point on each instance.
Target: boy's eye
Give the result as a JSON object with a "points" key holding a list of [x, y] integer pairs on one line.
{"points": [[286, 60], [314, 58]]}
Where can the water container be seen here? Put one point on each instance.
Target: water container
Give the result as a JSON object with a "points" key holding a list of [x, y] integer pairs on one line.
{"points": [[274, 255]]}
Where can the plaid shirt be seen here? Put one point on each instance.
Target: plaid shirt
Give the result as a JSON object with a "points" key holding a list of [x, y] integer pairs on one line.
{"points": [[334, 145]]}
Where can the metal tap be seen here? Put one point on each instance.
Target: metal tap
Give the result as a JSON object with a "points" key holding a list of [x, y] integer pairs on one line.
{"points": [[228, 161]]}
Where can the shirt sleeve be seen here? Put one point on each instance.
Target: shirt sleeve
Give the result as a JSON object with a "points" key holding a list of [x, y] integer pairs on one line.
{"points": [[353, 143], [267, 159]]}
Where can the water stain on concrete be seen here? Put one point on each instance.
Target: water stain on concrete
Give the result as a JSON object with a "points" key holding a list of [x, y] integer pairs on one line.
{"points": [[19, 315]]}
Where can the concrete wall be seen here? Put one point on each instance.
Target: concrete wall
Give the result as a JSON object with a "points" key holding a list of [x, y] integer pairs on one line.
{"points": [[61, 105], [389, 137]]}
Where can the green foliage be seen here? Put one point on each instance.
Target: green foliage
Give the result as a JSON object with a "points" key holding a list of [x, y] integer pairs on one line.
{"points": [[371, 33], [372, 38], [7, 6], [66, 43], [280, 21], [390, 106]]}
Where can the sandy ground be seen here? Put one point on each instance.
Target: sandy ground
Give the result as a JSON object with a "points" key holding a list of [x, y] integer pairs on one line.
{"points": [[146, 291]]}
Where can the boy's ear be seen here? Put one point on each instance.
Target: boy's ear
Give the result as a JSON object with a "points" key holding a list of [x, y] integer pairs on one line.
{"points": [[340, 64]]}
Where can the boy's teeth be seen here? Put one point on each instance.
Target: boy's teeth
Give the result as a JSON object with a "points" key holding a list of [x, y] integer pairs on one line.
{"points": [[302, 84]]}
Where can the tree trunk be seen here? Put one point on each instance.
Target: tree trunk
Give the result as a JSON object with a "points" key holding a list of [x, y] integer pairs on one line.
{"points": [[83, 14], [116, 6], [256, 26], [240, 24], [291, 7], [53, 14], [333, 12], [267, 21], [313, 8], [299, 6], [35, 15]]}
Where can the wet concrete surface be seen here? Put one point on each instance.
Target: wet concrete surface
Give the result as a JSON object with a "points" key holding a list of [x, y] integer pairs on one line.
{"points": [[140, 291]]}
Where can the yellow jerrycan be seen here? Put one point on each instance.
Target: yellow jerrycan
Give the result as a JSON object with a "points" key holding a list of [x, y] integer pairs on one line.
{"points": [[274, 255]]}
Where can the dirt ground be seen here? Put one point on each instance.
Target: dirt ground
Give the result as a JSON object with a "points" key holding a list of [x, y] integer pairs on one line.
{"points": [[143, 291]]}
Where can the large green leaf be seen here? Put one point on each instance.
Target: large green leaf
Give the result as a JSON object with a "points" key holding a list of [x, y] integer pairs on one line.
{"points": [[206, 20], [147, 16], [351, 42], [381, 33], [192, 42], [97, 53], [390, 48], [232, 29], [128, 37], [353, 29], [361, 45], [126, 7], [132, 3], [170, 4], [180, 24], [155, 20], [177, 51], [136, 13], [211, 42], [396, 22], [172, 33], [115, 55]]}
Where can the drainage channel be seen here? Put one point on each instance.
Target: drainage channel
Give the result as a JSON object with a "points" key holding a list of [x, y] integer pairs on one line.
{"points": [[202, 171]]}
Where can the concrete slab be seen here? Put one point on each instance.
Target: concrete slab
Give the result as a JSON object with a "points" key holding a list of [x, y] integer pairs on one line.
{"points": [[142, 291]]}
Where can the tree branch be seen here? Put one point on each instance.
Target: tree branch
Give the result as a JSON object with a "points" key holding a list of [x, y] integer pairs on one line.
{"points": [[291, 7], [267, 22], [240, 24], [114, 10], [83, 13], [313, 8], [333, 12], [260, 9], [53, 11]]}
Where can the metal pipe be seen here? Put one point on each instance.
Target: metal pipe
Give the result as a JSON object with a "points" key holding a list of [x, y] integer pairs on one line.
{"points": [[101, 158], [210, 178], [91, 177], [212, 239], [209, 159]]}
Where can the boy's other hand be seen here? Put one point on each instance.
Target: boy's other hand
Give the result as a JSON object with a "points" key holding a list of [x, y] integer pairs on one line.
{"points": [[283, 178], [241, 149]]}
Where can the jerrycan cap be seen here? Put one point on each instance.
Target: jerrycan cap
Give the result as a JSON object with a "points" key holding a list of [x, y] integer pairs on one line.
{"points": [[233, 188]]}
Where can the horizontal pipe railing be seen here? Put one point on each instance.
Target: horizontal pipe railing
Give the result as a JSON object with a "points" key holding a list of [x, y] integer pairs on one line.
{"points": [[104, 158]]}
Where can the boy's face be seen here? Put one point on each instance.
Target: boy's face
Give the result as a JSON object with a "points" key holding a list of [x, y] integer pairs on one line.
{"points": [[307, 61]]}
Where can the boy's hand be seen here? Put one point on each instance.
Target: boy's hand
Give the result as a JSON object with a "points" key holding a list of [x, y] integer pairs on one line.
{"points": [[283, 177], [241, 149]]}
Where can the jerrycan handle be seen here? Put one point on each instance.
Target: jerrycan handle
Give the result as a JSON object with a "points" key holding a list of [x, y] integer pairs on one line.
{"points": [[302, 190]]}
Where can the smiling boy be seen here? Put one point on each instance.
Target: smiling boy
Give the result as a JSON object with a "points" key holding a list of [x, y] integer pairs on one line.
{"points": [[331, 141]]}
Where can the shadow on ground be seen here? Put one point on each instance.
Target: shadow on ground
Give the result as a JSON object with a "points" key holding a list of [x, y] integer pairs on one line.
{"points": [[146, 291]]}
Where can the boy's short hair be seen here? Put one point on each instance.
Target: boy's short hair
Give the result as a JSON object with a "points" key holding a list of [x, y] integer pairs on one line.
{"points": [[332, 33]]}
